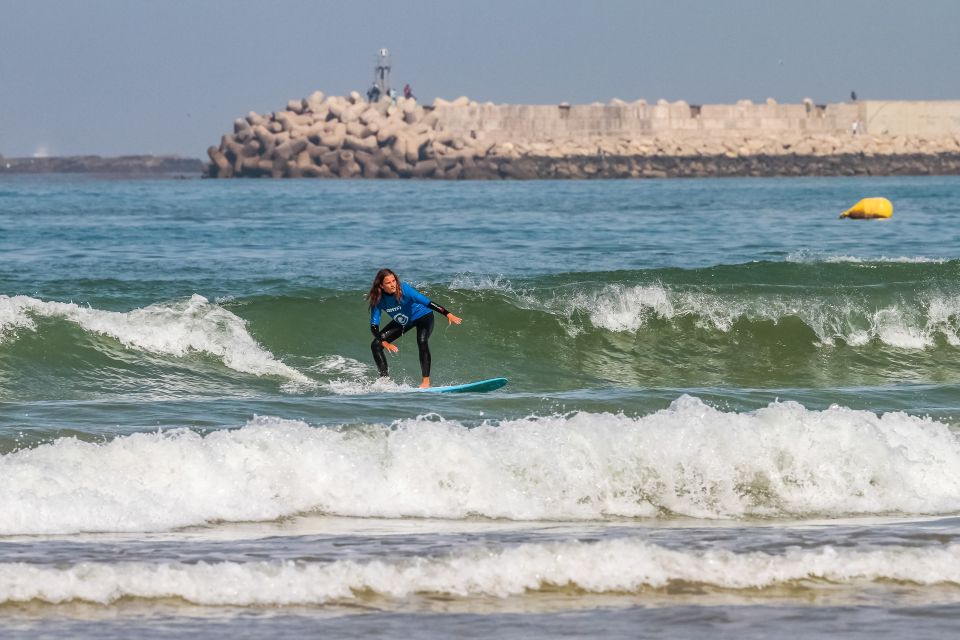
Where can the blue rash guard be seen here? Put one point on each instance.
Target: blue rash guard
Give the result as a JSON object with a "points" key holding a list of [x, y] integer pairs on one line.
{"points": [[413, 305], [413, 310]]}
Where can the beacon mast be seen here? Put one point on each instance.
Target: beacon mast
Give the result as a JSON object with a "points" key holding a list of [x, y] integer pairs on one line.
{"points": [[381, 74]]}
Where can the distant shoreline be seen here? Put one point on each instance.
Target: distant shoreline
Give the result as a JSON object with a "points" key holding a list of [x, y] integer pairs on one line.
{"points": [[119, 165]]}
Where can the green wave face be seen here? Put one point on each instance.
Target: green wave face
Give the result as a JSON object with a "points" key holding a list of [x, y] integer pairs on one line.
{"points": [[757, 325], [754, 325]]}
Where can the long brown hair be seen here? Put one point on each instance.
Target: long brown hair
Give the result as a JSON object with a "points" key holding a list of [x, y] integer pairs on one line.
{"points": [[376, 292]]}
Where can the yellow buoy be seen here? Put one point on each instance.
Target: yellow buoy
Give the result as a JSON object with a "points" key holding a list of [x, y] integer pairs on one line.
{"points": [[870, 208]]}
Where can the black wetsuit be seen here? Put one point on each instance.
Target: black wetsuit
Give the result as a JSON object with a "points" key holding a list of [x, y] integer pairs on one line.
{"points": [[413, 310]]}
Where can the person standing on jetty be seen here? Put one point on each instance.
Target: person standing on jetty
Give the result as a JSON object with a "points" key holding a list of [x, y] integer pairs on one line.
{"points": [[407, 308]]}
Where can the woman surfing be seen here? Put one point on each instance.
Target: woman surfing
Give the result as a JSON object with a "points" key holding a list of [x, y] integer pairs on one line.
{"points": [[408, 309]]}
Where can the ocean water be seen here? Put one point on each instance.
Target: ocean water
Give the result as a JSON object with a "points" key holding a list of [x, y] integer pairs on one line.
{"points": [[730, 414]]}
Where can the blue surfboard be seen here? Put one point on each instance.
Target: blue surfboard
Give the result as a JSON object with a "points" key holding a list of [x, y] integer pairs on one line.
{"points": [[481, 386]]}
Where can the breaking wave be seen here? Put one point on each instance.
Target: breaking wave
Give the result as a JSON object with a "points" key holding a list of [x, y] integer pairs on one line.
{"points": [[619, 566], [687, 460]]}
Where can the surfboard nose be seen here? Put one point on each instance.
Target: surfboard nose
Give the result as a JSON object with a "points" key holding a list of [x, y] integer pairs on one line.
{"points": [[481, 386]]}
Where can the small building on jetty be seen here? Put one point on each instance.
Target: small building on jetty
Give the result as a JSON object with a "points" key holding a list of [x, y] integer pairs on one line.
{"points": [[349, 137]]}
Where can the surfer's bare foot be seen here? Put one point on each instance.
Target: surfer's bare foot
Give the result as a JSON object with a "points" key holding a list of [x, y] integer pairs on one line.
{"points": [[425, 384]]}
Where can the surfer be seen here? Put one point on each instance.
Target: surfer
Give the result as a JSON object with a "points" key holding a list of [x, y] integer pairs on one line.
{"points": [[408, 309]]}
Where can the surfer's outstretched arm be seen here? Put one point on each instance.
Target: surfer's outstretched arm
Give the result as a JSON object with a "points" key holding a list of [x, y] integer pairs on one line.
{"points": [[451, 319]]}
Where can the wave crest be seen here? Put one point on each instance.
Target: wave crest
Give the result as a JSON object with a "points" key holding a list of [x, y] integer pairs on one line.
{"points": [[176, 328], [689, 459], [855, 321], [621, 566]]}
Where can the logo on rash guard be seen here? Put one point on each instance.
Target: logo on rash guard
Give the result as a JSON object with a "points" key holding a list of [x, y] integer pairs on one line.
{"points": [[402, 319]]}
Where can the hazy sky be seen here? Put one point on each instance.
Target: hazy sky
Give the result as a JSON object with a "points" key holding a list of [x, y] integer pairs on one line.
{"points": [[113, 77]]}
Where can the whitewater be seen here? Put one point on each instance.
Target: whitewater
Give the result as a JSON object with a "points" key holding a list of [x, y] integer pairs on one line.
{"points": [[687, 460]]}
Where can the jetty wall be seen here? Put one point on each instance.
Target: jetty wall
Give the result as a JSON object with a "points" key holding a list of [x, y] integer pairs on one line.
{"points": [[900, 117], [578, 122], [347, 137], [535, 122]]}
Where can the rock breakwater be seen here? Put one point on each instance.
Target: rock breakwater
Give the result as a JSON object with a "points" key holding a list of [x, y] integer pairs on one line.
{"points": [[347, 137], [343, 137]]}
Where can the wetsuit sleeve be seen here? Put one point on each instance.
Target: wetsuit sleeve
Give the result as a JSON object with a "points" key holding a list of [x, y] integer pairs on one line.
{"points": [[375, 322], [424, 300], [433, 305]]}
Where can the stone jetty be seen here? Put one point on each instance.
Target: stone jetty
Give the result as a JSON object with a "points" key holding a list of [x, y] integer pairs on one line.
{"points": [[348, 137]]}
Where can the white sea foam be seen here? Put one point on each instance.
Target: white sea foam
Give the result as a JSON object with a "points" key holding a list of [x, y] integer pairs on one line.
{"points": [[914, 325], [690, 459], [855, 322], [339, 365], [943, 316], [361, 386], [622, 566], [481, 283], [619, 308], [351, 380], [174, 328]]}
